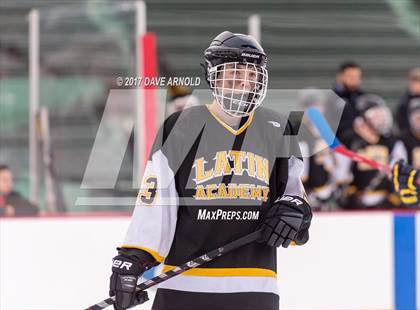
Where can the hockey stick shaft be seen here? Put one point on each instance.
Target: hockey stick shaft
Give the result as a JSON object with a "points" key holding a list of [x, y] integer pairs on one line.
{"points": [[330, 138], [186, 266]]}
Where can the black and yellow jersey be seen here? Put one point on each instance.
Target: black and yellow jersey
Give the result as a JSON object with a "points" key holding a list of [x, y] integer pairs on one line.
{"points": [[318, 165], [369, 188], [207, 184], [412, 146]]}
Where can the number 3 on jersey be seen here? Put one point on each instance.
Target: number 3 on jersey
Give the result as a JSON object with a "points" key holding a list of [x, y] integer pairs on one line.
{"points": [[148, 191]]}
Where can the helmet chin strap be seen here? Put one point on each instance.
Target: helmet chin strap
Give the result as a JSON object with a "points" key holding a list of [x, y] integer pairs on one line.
{"points": [[229, 101], [241, 112], [243, 101]]}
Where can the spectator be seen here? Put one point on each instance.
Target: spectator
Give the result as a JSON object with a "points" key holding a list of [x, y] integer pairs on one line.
{"points": [[413, 91], [11, 202], [347, 86]]}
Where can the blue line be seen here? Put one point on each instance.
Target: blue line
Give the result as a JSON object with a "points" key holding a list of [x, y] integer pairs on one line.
{"points": [[405, 261]]}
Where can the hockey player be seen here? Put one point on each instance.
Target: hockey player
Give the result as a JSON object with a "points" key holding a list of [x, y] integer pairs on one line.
{"points": [[317, 177], [412, 92], [411, 136], [179, 98], [217, 173], [405, 175], [374, 139]]}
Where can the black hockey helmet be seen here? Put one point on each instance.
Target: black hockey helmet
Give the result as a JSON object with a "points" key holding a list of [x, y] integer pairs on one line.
{"points": [[234, 47], [235, 51], [366, 102]]}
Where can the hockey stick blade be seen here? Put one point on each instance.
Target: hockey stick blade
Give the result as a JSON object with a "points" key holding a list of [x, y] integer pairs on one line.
{"points": [[321, 124], [254, 236]]}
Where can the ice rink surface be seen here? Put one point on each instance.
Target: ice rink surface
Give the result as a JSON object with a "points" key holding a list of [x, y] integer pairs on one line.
{"points": [[64, 263]]}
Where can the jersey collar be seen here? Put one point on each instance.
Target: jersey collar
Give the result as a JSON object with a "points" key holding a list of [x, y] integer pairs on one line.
{"points": [[230, 129]]}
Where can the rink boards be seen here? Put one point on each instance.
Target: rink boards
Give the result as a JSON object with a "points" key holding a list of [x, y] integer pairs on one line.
{"points": [[357, 260]]}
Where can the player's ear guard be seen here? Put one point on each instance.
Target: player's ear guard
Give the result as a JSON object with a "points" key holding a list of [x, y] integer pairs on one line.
{"points": [[287, 220], [206, 77]]}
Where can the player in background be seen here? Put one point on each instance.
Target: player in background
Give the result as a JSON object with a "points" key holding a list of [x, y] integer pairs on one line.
{"points": [[179, 98], [411, 136], [317, 176], [215, 174], [405, 175], [412, 92], [374, 139]]}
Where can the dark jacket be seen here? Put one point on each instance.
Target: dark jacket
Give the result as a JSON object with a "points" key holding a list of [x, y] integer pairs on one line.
{"points": [[345, 127], [22, 206], [402, 110]]}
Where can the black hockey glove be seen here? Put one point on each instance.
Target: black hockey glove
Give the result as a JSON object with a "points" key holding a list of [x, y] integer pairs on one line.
{"points": [[287, 220], [127, 267], [406, 183]]}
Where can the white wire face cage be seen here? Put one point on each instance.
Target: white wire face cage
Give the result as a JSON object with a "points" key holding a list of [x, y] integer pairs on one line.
{"points": [[239, 88], [414, 120], [380, 118]]}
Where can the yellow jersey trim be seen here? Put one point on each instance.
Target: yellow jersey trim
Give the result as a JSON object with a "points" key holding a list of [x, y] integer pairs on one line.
{"points": [[395, 179], [394, 200], [151, 252], [225, 272], [354, 190], [230, 129], [321, 188], [410, 181], [351, 190]]}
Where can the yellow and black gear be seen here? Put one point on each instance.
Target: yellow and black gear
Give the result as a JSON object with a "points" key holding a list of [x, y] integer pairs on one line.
{"points": [[406, 183]]}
